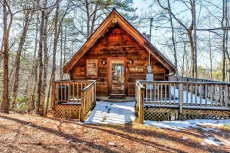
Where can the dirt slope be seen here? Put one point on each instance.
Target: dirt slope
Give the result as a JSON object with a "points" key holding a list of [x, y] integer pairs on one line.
{"points": [[31, 133]]}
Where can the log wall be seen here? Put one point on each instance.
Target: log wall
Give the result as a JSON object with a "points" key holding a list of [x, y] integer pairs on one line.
{"points": [[117, 43]]}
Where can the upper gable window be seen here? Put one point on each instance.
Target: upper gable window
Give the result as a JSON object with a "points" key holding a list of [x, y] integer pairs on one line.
{"points": [[92, 67]]}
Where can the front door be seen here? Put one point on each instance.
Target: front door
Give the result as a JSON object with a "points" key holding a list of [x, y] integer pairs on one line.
{"points": [[117, 79]]}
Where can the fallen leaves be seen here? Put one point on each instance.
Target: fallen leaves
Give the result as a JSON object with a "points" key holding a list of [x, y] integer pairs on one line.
{"points": [[31, 133]]}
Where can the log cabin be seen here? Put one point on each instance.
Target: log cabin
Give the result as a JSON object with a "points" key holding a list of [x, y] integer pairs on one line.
{"points": [[118, 61], [116, 55]]}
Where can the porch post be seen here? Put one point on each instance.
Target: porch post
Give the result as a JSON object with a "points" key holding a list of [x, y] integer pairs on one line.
{"points": [[53, 95], [82, 117], [180, 100], [141, 106]]}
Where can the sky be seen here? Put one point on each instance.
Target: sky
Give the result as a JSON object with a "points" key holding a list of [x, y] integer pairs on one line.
{"points": [[160, 33]]}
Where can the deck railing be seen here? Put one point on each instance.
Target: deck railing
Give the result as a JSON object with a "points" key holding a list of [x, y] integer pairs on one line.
{"points": [[81, 92], [88, 99], [178, 94], [139, 96], [189, 79]]}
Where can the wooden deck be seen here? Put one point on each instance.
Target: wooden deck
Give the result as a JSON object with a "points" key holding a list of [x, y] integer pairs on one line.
{"points": [[72, 99], [155, 100], [170, 100]]}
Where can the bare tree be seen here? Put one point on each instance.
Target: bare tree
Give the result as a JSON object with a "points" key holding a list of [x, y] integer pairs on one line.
{"points": [[27, 19], [188, 30], [40, 60], [224, 24], [7, 14]]}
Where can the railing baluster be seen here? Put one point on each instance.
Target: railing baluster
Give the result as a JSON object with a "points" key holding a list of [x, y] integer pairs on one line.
{"points": [[151, 88], [57, 91], [191, 102], [73, 91], [174, 96], [221, 95], [170, 93], [187, 93], [61, 93], [196, 94], [205, 94], [146, 92], [78, 91], [161, 93], [155, 92], [65, 94], [165, 85], [216, 96], [226, 95], [212, 95], [69, 90], [201, 92], [158, 95]]}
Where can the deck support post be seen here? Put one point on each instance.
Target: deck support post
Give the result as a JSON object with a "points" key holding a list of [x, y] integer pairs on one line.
{"points": [[53, 95], [141, 106], [180, 99], [82, 118]]}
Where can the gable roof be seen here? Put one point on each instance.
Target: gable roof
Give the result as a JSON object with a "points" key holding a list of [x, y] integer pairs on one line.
{"points": [[112, 20]]}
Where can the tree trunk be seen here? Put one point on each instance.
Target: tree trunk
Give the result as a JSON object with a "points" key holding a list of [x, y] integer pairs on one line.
{"points": [[6, 10], [193, 7], [223, 42], [210, 54], [192, 49], [56, 35], [28, 16], [33, 76], [189, 33], [64, 60], [61, 56], [40, 64], [173, 39], [46, 59]]}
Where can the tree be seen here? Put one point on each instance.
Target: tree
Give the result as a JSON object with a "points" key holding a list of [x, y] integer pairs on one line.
{"points": [[224, 24], [188, 30], [7, 13], [92, 12], [27, 19]]}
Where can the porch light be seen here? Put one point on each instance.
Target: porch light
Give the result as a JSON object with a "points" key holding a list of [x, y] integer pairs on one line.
{"points": [[131, 61], [103, 62]]}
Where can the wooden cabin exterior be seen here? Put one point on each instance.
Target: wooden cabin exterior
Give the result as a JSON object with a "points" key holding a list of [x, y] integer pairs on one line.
{"points": [[114, 60], [116, 55]]}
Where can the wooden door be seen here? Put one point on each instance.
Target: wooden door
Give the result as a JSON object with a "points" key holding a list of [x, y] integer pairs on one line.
{"points": [[117, 76]]}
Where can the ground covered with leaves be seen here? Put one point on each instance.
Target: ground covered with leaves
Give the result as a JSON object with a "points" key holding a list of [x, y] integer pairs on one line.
{"points": [[32, 133]]}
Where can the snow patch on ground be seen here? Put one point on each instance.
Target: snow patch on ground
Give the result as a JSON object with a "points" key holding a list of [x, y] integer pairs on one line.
{"points": [[211, 140], [124, 112], [197, 123], [178, 125], [112, 113]]}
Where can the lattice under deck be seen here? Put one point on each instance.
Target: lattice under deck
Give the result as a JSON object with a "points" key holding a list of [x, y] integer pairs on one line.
{"points": [[205, 114], [160, 114], [67, 111]]}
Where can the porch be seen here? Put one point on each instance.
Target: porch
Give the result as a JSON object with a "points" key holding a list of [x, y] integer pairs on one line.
{"points": [[154, 100], [73, 99], [179, 100]]}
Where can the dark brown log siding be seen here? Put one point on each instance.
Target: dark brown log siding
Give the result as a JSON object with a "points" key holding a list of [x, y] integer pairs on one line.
{"points": [[118, 43]]}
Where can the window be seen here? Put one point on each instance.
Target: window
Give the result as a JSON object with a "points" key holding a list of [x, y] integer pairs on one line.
{"points": [[92, 67]]}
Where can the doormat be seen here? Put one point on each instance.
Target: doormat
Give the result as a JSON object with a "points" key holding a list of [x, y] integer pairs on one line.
{"points": [[116, 97]]}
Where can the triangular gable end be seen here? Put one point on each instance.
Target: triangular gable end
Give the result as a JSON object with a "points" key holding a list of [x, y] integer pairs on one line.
{"points": [[115, 18]]}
